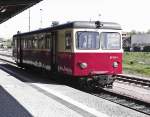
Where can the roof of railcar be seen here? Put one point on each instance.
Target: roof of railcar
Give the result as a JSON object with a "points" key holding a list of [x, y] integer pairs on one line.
{"points": [[78, 24]]}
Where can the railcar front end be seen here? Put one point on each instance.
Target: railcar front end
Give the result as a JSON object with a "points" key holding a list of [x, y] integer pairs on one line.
{"points": [[98, 56], [95, 56]]}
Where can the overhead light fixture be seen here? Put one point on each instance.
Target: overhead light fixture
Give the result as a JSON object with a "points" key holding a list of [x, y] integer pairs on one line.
{"points": [[3, 10]]}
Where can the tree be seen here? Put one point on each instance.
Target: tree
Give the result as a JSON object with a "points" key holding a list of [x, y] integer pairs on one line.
{"points": [[148, 32], [133, 32]]}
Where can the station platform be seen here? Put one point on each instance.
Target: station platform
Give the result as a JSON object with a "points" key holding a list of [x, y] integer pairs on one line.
{"points": [[33, 99]]}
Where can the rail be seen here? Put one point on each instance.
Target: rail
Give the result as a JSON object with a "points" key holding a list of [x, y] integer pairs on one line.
{"points": [[136, 80], [124, 100]]}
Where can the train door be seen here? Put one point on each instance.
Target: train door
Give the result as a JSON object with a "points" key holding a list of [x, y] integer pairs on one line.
{"points": [[19, 51], [54, 51]]}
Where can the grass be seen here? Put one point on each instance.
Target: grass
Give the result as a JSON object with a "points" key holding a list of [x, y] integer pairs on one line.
{"points": [[137, 63]]}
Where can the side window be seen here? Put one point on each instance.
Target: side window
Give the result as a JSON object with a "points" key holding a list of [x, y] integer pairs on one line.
{"points": [[24, 46], [29, 43], [68, 40], [48, 40], [26, 42], [35, 43], [15, 43], [41, 41]]}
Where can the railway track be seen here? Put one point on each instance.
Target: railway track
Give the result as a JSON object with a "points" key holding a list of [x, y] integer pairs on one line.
{"points": [[121, 99], [137, 81], [124, 100]]}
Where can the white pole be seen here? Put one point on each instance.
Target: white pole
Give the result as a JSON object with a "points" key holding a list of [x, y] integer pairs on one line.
{"points": [[29, 20], [41, 18]]}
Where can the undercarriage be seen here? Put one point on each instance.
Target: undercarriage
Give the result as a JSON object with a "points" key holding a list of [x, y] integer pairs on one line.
{"points": [[97, 82]]}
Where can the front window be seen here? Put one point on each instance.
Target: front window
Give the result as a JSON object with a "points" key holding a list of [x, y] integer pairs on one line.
{"points": [[87, 40], [110, 41]]}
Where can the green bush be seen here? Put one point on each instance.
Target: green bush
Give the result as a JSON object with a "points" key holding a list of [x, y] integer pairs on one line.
{"points": [[137, 49], [146, 49], [127, 49]]}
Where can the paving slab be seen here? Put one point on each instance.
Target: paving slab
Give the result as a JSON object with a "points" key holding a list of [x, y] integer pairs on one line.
{"points": [[24, 101]]}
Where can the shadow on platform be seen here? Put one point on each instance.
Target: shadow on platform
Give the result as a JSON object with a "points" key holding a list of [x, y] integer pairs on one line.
{"points": [[29, 75], [10, 107]]}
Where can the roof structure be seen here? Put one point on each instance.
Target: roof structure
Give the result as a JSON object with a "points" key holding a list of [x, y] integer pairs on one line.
{"points": [[10, 8], [78, 24]]}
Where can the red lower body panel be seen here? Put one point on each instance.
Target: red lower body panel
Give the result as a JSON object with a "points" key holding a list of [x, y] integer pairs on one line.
{"points": [[70, 63], [97, 63]]}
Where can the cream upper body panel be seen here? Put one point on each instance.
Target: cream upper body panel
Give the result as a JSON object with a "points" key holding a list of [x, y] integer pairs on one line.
{"points": [[61, 40]]}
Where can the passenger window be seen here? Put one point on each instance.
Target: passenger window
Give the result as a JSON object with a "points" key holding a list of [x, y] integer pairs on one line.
{"points": [[15, 43], [35, 43], [29, 43], [68, 40], [48, 41], [41, 41]]}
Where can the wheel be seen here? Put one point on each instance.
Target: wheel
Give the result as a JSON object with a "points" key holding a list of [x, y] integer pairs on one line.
{"points": [[82, 83], [91, 84]]}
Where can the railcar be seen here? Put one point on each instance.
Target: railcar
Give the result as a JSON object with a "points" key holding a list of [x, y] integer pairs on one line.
{"points": [[90, 51]]}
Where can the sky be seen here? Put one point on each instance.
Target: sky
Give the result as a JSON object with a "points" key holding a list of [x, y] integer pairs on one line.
{"points": [[130, 14]]}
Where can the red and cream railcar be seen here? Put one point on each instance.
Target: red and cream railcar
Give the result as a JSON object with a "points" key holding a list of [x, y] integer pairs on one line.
{"points": [[86, 50]]}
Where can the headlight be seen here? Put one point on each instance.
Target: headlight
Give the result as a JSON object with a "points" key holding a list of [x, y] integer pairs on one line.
{"points": [[115, 64], [83, 65]]}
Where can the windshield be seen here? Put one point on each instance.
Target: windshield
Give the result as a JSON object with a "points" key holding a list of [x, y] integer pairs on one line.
{"points": [[87, 40], [110, 41]]}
